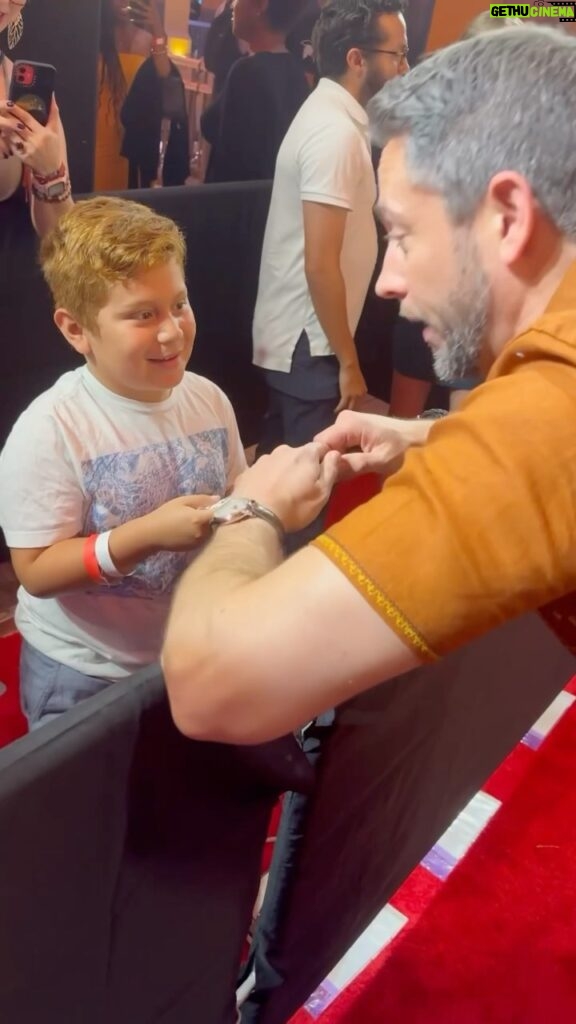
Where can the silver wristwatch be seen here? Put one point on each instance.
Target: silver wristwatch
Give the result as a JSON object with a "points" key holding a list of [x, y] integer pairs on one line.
{"points": [[235, 510]]}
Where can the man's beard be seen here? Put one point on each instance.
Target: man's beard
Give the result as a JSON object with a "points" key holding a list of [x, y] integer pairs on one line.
{"points": [[465, 327]]}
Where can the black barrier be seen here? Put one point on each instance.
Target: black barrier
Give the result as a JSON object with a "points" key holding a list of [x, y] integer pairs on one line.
{"points": [[129, 863], [395, 769]]}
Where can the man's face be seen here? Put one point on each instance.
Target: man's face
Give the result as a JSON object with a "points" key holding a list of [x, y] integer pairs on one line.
{"points": [[434, 268], [389, 35]]}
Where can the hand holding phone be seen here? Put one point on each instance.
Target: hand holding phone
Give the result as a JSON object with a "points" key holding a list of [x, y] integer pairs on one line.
{"points": [[40, 147], [32, 88]]}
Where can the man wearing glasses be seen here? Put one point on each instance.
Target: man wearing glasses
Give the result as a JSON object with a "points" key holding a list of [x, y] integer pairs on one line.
{"points": [[320, 245]]}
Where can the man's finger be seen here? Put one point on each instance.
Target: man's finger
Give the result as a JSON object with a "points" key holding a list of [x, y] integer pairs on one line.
{"points": [[357, 462], [318, 449], [330, 469]]}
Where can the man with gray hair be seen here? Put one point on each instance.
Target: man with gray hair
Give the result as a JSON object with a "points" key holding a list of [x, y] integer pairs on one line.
{"points": [[478, 194]]}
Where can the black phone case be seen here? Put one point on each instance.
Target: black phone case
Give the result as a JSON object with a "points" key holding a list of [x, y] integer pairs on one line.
{"points": [[32, 87]]}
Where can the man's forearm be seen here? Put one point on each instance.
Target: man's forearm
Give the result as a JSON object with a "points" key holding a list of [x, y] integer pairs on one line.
{"points": [[237, 555], [328, 294]]}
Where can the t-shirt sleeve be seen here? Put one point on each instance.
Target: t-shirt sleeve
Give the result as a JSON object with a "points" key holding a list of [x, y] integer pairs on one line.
{"points": [[41, 499], [478, 526], [236, 457], [331, 165]]}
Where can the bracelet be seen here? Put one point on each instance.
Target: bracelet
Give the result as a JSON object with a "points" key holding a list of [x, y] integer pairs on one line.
{"points": [[44, 179], [104, 558], [90, 561]]}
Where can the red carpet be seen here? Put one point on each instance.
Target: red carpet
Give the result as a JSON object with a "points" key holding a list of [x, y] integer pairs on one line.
{"points": [[497, 944], [12, 721]]}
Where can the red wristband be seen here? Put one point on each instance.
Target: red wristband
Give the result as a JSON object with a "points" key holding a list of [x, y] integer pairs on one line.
{"points": [[90, 561]]}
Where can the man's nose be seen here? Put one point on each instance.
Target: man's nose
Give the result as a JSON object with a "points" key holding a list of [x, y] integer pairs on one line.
{"points": [[391, 283]]}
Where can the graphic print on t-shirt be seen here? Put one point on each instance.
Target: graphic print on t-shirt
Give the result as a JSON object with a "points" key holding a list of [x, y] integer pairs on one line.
{"points": [[122, 486]]}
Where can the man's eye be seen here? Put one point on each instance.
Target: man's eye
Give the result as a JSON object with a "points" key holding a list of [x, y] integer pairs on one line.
{"points": [[399, 240]]}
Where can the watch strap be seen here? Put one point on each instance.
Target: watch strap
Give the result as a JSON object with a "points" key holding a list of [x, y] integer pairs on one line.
{"points": [[265, 513]]}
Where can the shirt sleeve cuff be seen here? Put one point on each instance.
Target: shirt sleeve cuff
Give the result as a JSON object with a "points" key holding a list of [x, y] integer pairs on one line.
{"points": [[376, 598]]}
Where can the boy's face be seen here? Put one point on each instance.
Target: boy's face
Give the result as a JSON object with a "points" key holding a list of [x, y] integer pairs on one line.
{"points": [[144, 335]]}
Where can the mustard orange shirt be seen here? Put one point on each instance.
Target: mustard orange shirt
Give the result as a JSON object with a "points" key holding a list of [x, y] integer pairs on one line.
{"points": [[479, 525]]}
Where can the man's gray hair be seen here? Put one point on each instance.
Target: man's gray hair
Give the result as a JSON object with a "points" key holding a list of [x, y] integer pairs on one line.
{"points": [[502, 101]]}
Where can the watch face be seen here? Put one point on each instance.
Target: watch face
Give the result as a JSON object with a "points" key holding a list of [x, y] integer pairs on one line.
{"points": [[56, 189], [228, 510]]}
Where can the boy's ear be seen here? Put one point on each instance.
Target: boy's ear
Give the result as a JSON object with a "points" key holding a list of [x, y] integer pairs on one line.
{"points": [[75, 334]]}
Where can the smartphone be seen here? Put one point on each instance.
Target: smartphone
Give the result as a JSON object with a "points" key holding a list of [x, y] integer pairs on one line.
{"points": [[32, 87]]}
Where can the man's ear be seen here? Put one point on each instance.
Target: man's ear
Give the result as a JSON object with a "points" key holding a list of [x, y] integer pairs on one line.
{"points": [[514, 209], [76, 335], [355, 59]]}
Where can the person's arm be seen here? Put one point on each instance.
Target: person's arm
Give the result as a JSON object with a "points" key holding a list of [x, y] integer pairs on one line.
{"points": [[44, 215], [270, 645], [330, 168], [476, 529], [42, 149], [178, 525], [146, 15], [372, 444], [324, 228]]}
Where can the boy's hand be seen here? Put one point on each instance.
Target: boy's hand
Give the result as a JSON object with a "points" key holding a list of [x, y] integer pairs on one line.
{"points": [[182, 523]]}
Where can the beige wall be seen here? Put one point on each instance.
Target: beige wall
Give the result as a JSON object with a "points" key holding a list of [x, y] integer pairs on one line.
{"points": [[449, 20]]}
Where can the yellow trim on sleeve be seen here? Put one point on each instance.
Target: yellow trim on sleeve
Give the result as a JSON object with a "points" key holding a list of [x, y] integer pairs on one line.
{"points": [[381, 604]]}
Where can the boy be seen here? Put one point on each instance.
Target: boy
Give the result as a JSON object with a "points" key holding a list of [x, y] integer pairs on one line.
{"points": [[107, 478]]}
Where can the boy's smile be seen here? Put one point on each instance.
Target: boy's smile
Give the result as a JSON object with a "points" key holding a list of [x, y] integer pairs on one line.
{"points": [[144, 335]]}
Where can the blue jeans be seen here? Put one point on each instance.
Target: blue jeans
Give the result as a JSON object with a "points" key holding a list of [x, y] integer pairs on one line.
{"points": [[48, 688]]}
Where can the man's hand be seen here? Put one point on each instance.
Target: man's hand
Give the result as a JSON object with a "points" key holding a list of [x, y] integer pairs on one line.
{"points": [[381, 440], [295, 483], [352, 386]]}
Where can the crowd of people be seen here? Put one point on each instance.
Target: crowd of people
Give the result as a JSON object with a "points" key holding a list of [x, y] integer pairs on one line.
{"points": [[136, 529]]}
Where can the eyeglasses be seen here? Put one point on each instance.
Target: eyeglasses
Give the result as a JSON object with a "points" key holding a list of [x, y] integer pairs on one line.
{"points": [[401, 55]]}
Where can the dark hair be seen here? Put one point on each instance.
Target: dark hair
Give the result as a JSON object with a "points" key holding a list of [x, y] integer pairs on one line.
{"points": [[344, 24], [111, 74], [282, 15]]}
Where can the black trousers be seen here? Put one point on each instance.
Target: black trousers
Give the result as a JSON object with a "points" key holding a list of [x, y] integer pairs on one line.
{"points": [[294, 421]]}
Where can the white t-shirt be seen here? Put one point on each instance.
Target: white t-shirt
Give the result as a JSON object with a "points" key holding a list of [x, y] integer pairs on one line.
{"points": [[324, 158], [82, 460]]}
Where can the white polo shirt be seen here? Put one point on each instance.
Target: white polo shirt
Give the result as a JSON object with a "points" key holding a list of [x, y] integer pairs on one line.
{"points": [[324, 158]]}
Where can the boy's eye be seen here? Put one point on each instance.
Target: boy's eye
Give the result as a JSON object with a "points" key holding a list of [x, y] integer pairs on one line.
{"points": [[182, 304], [144, 314]]}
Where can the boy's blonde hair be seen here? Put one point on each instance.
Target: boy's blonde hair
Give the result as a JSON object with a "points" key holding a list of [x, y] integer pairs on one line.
{"points": [[102, 241], [484, 22]]}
